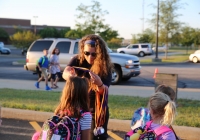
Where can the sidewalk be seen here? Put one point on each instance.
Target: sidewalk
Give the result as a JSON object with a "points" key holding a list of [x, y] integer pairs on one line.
{"points": [[188, 133]]}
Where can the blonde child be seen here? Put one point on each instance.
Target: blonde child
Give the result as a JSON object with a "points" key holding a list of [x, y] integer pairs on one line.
{"points": [[162, 111]]}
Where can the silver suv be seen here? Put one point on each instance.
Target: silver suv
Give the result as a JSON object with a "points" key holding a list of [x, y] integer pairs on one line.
{"points": [[125, 66], [137, 49]]}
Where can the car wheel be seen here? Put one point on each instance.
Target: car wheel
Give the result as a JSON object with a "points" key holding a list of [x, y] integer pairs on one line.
{"points": [[0, 52], [195, 60], [141, 54], [121, 52], [116, 75], [126, 78]]}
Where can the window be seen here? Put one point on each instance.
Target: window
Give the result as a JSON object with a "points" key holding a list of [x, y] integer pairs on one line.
{"points": [[39, 46], [63, 47], [144, 46], [76, 48], [135, 46]]}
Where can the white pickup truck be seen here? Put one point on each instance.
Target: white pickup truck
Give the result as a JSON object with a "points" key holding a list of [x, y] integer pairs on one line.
{"points": [[125, 66]]}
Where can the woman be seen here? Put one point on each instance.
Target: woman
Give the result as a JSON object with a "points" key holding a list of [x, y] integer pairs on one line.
{"points": [[94, 56]]}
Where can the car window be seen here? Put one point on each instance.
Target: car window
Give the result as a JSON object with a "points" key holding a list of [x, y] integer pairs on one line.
{"points": [[145, 46], [39, 46], [76, 48], [63, 46], [135, 46]]}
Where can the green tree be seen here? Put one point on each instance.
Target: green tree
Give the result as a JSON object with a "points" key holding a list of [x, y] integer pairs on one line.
{"points": [[134, 39], [114, 43], [168, 20], [108, 34], [78, 33], [49, 32], [23, 39], [62, 32], [144, 38], [90, 20], [187, 37], [3, 34], [196, 36]]}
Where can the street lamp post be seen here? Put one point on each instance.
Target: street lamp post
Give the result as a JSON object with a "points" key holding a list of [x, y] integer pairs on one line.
{"points": [[156, 59], [35, 23]]}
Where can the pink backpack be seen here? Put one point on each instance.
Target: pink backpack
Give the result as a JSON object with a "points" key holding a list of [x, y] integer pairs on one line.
{"points": [[146, 133]]}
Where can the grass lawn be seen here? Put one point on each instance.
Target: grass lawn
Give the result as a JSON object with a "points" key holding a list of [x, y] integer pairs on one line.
{"points": [[121, 107]]}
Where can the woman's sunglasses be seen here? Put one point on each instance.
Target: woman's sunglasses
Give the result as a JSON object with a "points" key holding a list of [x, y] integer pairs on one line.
{"points": [[82, 72], [92, 54]]}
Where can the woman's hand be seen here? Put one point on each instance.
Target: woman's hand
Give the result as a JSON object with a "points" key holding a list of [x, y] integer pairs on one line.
{"points": [[68, 71], [95, 79]]}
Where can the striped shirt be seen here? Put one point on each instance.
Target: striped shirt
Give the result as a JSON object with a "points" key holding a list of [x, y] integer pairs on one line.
{"points": [[85, 121]]}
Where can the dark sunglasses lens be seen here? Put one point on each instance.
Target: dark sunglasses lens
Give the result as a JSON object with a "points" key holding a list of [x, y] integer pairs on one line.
{"points": [[92, 54], [87, 53]]}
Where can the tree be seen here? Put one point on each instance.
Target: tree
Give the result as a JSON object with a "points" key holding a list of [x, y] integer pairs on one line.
{"points": [[108, 34], [90, 21], [3, 35], [49, 32], [196, 36], [114, 43], [62, 32], [187, 37], [168, 23], [134, 39], [23, 39], [74, 33]]}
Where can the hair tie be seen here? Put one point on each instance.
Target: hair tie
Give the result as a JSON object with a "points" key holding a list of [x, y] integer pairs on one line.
{"points": [[91, 42]]}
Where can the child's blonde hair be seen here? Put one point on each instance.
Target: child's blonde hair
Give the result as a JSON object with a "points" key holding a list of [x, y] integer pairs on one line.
{"points": [[161, 106]]}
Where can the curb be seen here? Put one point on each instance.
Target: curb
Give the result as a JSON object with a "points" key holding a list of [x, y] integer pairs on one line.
{"points": [[185, 133]]}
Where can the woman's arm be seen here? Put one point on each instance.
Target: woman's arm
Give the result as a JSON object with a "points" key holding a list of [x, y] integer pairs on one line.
{"points": [[85, 134]]}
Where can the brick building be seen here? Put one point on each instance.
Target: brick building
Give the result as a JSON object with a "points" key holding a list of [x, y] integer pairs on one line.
{"points": [[10, 25]]}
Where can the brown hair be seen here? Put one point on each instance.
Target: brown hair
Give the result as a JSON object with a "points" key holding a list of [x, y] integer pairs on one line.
{"points": [[102, 63], [167, 90], [161, 106], [74, 97], [54, 51]]}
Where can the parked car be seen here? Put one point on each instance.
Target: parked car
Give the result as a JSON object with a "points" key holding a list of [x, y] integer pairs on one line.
{"points": [[195, 57], [125, 66], [137, 49], [4, 50], [160, 48]]}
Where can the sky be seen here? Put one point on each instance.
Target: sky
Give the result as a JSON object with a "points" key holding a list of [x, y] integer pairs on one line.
{"points": [[125, 16]]}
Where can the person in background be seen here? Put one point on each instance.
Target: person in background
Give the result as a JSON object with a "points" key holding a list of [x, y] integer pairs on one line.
{"points": [[43, 65], [55, 68], [93, 55]]}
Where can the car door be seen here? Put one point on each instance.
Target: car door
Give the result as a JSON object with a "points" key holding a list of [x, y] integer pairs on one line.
{"points": [[135, 49]]}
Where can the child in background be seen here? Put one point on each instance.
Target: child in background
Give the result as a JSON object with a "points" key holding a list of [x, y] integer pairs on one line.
{"points": [[162, 111], [55, 68], [43, 65]]}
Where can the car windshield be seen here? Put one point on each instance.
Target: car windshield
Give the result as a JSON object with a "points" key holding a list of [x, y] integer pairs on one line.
{"points": [[109, 50]]}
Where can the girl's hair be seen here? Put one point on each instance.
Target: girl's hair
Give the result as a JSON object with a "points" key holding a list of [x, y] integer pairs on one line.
{"points": [[54, 51], [167, 90], [161, 106], [74, 97], [102, 63]]}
